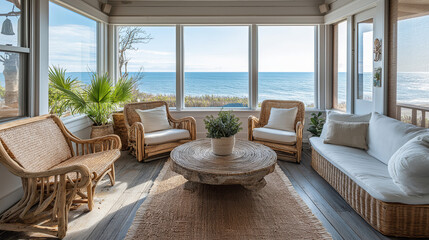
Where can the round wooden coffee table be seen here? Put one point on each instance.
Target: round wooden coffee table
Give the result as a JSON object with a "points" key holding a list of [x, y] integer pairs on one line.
{"points": [[248, 164]]}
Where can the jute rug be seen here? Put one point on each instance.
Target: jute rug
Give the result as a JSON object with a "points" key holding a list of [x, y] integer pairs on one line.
{"points": [[224, 212]]}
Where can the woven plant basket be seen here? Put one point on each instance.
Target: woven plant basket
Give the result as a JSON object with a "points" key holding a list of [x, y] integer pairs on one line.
{"points": [[120, 129], [100, 131]]}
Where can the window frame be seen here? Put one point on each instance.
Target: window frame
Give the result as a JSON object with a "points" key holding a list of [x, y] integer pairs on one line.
{"points": [[253, 63], [24, 52], [335, 65]]}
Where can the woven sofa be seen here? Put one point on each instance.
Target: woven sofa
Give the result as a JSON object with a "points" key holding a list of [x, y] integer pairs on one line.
{"points": [[364, 181], [55, 167]]}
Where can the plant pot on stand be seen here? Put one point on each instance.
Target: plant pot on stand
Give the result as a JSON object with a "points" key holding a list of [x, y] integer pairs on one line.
{"points": [[223, 146], [222, 132]]}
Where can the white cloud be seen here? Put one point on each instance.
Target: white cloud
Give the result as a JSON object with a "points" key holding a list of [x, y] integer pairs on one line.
{"points": [[73, 47]]}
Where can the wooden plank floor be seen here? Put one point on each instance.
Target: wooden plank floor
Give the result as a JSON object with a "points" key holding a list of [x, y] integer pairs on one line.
{"points": [[116, 206]]}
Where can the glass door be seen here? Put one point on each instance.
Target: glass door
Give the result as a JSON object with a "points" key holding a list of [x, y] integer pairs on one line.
{"points": [[364, 39]]}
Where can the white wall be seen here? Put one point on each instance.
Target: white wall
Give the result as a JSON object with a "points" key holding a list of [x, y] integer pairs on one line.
{"points": [[11, 192]]}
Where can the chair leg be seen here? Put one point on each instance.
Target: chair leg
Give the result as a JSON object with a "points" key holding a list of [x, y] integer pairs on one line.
{"points": [[89, 193], [111, 174], [62, 214]]}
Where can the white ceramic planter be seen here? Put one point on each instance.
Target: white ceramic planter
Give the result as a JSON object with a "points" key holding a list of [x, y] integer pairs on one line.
{"points": [[223, 146]]}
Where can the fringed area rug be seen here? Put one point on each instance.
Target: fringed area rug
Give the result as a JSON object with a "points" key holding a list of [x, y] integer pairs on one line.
{"points": [[224, 212]]}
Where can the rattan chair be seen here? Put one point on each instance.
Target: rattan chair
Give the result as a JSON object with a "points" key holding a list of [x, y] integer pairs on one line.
{"points": [[55, 166], [136, 134], [290, 151]]}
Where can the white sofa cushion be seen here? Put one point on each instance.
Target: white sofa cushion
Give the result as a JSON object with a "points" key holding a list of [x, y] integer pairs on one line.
{"points": [[369, 173], [386, 135], [282, 119], [351, 134], [154, 119], [409, 166], [343, 117], [274, 135], [164, 136]]}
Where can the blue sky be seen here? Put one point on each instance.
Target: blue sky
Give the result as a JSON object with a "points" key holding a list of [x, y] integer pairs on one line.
{"points": [[72, 40], [281, 49]]}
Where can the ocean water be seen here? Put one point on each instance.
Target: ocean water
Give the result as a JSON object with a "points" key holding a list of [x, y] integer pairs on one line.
{"points": [[412, 87]]}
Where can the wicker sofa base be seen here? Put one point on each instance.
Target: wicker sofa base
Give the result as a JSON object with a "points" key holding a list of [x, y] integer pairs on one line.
{"points": [[391, 219]]}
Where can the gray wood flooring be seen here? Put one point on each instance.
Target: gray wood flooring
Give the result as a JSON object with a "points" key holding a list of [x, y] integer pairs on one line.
{"points": [[116, 206]]}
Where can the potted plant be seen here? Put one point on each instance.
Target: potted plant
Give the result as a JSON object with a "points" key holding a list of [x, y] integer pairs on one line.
{"points": [[316, 124], [98, 100], [222, 130]]}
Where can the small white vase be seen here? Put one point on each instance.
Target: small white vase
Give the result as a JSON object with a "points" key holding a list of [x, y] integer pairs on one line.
{"points": [[223, 146]]}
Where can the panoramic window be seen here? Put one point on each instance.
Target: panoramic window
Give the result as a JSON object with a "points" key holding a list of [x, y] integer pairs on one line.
{"points": [[339, 82], [216, 66], [286, 63], [72, 42], [409, 62], [13, 62], [148, 55], [365, 59]]}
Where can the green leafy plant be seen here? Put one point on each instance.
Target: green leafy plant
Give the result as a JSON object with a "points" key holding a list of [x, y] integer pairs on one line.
{"points": [[98, 100], [225, 125], [58, 102], [316, 124]]}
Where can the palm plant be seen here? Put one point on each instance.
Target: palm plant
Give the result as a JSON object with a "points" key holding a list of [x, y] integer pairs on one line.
{"points": [[99, 99], [58, 103]]}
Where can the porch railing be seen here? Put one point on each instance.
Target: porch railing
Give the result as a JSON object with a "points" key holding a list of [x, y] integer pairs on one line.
{"points": [[413, 119]]}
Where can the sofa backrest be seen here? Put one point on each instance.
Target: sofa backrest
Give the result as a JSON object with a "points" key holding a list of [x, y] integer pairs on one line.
{"points": [[386, 135], [36, 145]]}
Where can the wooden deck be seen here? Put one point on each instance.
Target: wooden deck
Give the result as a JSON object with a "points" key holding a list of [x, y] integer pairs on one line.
{"points": [[116, 206]]}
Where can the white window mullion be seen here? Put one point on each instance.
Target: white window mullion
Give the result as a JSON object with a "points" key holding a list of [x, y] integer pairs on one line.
{"points": [[112, 51], [253, 67], [180, 100]]}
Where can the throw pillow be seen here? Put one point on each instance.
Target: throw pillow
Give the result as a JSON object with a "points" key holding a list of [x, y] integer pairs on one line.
{"points": [[409, 166], [350, 134], [282, 119], [343, 117], [154, 119]]}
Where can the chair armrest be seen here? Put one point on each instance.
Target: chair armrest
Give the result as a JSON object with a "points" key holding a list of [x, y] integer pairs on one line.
{"points": [[79, 168], [252, 123], [299, 129], [136, 131], [188, 123], [108, 142]]}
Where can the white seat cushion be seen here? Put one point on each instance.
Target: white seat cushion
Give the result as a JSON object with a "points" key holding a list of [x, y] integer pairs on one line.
{"points": [[164, 136], [386, 135], [274, 135], [369, 173]]}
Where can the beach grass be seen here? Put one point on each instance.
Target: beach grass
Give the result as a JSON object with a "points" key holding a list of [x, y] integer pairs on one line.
{"points": [[197, 101]]}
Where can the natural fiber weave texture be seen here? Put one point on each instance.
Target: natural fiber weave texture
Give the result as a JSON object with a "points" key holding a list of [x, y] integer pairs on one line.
{"points": [[224, 212], [391, 219], [37, 146], [96, 162]]}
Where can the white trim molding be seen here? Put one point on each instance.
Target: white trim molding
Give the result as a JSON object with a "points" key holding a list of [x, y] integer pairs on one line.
{"points": [[83, 8], [348, 10], [281, 20]]}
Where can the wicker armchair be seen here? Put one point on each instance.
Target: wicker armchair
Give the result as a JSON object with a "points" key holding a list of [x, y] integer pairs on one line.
{"points": [[285, 150], [136, 134], [55, 166]]}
